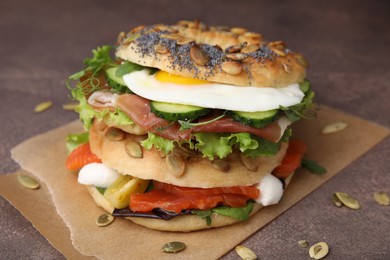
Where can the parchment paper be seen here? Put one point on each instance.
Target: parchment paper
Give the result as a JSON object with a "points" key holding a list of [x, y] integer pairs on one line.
{"points": [[44, 156]]}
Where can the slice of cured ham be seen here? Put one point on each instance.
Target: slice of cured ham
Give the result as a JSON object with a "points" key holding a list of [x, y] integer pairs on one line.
{"points": [[138, 109]]}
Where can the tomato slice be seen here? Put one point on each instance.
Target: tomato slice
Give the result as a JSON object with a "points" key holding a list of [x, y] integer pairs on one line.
{"points": [[234, 200], [295, 152], [249, 191], [80, 157], [146, 202], [174, 198]]}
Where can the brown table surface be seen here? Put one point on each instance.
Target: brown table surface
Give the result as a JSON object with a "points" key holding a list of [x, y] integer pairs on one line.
{"points": [[346, 43]]}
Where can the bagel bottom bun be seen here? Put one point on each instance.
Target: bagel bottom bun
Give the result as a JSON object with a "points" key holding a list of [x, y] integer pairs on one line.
{"points": [[199, 172], [183, 223]]}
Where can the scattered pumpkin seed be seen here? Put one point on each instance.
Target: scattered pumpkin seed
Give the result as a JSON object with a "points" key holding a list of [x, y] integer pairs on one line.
{"points": [[238, 30], [186, 152], [69, 106], [221, 165], [43, 106], [104, 220], [347, 200], [253, 35], [231, 67], [162, 27], [138, 28], [171, 36], [28, 182], [334, 127], [134, 149], [278, 44], [120, 38], [176, 164], [250, 163], [131, 37], [159, 48], [245, 253], [303, 243], [198, 56], [250, 48], [278, 51], [173, 247], [336, 201], [235, 48], [319, 250], [237, 56], [286, 67], [114, 134], [184, 40], [382, 198]]}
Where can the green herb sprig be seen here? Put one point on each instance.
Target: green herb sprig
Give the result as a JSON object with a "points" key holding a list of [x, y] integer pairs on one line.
{"points": [[187, 124], [313, 166], [100, 59]]}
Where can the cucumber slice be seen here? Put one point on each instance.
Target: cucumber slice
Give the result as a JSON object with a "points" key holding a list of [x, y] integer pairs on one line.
{"points": [[255, 119], [115, 82], [174, 112], [305, 86]]}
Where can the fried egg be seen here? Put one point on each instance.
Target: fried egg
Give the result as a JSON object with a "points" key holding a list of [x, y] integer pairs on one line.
{"points": [[166, 87]]}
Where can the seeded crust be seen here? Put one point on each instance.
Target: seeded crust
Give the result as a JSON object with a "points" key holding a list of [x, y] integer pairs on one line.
{"points": [[198, 172], [217, 54], [184, 223]]}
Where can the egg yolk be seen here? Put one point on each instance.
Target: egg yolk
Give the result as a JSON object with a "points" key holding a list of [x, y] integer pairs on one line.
{"points": [[164, 76]]}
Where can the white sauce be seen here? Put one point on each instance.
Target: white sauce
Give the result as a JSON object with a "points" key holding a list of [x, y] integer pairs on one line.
{"points": [[283, 123], [271, 190], [213, 95], [97, 174]]}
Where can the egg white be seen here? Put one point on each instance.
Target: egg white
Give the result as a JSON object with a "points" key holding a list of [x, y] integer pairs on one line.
{"points": [[213, 95]]}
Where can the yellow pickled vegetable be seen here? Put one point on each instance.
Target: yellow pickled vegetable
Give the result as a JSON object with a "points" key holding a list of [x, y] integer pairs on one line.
{"points": [[118, 193]]}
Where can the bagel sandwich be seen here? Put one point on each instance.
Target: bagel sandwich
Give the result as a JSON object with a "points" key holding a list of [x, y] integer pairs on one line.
{"points": [[188, 126]]}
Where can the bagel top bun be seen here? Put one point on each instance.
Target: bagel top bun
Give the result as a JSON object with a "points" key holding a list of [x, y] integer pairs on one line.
{"points": [[218, 54]]}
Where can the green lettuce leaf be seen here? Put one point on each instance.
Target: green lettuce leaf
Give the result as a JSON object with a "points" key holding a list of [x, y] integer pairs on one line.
{"points": [[86, 112], [126, 68], [118, 117], [301, 110], [236, 213], [74, 140], [214, 145], [265, 148], [244, 141], [158, 142], [220, 145]]}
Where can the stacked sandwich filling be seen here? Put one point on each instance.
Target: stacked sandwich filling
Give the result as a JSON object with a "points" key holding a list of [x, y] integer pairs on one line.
{"points": [[180, 124]]}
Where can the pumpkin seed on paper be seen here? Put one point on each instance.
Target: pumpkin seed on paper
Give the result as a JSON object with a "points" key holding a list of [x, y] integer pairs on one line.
{"points": [[319, 250], [43, 106], [382, 198], [104, 220], [245, 253], [173, 247], [28, 182], [334, 127], [347, 200]]}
